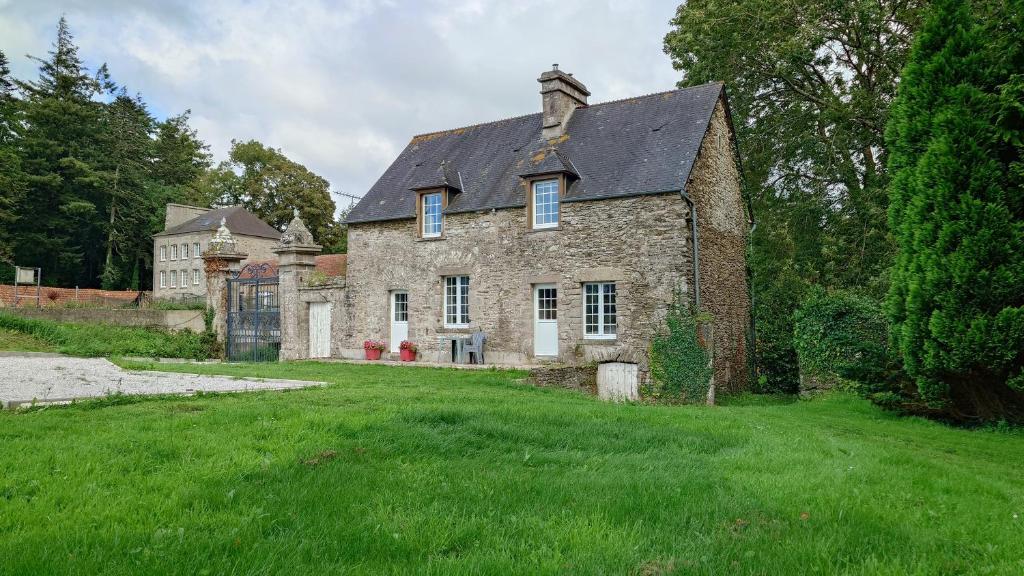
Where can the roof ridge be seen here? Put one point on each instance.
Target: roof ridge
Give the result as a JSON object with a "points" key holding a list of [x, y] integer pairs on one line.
{"points": [[521, 116], [477, 125], [662, 93]]}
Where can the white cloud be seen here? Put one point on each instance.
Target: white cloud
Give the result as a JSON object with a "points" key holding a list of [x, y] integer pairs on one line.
{"points": [[342, 86]]}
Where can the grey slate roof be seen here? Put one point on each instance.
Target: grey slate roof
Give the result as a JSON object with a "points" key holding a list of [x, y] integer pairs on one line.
{"points": [[629, 147], [239, 220]]}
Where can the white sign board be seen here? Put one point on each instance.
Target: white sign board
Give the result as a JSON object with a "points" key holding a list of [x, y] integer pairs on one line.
{"points": [[25, 275]]}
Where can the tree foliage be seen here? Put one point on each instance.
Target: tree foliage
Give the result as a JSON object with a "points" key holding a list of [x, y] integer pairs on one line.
{"points": [[270, 185], [844, 335], [86, 172], [957, 210], [810, 85]]}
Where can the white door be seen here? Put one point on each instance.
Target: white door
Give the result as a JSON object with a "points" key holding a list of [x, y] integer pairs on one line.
{"points": [[319, 329], [545, 320], [399, 318]]}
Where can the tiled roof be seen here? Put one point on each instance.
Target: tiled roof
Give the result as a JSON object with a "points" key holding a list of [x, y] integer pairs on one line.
{"points": [[239, 220], [627, 147]]}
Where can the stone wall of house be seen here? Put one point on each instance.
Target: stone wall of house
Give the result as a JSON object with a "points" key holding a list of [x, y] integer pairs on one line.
{"points": [[714, 186], [256, 248], [641, 243]]}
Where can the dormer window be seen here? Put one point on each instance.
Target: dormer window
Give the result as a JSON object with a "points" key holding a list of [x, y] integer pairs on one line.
{"points": [[545, 203], [430, 217]]}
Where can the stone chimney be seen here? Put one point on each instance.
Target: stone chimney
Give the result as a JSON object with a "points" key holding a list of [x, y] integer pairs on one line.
{"points": [[561, 95]]}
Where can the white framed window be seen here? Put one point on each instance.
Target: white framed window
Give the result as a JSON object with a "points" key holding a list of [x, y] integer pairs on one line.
{"points": [[163, 279], [163, 253], [545, 203], [401, 307], [174, 251], [174, 278], [599, 311], [195, 276], [184, 278], [195, 250], [184, 251], [431, 216], [456, 301]]}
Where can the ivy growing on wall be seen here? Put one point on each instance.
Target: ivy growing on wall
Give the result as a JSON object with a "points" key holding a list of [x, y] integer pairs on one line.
{"points": [[680, 365]]}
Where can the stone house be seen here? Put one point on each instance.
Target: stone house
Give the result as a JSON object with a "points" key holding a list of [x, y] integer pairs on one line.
{"points": [[177, 265], [563, 235]]}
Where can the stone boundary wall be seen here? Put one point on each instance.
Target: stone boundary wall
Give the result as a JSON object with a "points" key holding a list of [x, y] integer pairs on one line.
{"points": [[582, 378], [166, 319]]}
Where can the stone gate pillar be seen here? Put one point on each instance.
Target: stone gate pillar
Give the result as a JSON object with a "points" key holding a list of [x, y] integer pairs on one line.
{"points": [[296, 259], [220, 261]]}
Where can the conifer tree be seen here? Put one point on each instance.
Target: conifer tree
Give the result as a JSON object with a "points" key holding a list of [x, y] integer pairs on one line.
{"points": [[60, 225], [956, 137]]}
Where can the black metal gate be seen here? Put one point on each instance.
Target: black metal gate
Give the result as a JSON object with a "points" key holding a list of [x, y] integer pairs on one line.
{"points": [[254, 315]]}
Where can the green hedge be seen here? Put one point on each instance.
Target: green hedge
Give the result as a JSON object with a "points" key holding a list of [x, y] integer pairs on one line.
{"points": [[845, 335], [107, 340]]}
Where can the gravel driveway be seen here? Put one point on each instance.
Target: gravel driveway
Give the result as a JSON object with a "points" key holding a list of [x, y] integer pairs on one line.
{"points": [[59, 379]]}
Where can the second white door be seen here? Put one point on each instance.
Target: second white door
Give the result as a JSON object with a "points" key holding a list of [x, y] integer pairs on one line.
{"points": [[399, 318], [319, 329], [545, 320]]}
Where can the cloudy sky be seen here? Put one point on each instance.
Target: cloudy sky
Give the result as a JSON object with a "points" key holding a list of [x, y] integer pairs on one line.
{"points": [[341, 86]]}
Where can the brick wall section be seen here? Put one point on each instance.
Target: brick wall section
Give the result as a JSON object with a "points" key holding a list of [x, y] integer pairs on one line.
{"points": [[723, 226], [63, 295]]}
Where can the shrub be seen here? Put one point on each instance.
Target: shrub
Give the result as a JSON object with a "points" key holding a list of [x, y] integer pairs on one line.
{"points": [[844, 335], [680, 365]]}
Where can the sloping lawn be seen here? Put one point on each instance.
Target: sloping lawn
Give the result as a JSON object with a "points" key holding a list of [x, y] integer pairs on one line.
{"points": [[13, 341], [405, 470], [93, 340]]}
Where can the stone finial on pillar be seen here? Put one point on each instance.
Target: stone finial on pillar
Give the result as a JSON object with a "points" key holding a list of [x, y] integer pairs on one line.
{"points": [[296, 258], [220, 261]]}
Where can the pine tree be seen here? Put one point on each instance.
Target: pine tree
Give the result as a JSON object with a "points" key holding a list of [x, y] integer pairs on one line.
{"points": [[12, 179], [127, 164], [60, 225], [956, 138]]}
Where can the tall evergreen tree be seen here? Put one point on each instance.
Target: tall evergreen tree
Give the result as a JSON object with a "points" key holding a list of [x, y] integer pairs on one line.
{"points": [[957, 210], [12, 180], [127, 163], [60, 225]]}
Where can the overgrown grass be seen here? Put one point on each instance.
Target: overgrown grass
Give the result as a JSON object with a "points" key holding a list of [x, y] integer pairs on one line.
{"points": [[18, 342], [107, 340], [396, 470]]}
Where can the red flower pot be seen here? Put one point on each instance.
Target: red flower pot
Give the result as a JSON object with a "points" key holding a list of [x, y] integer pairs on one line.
{"points": [[372, 353], [407, 355]]}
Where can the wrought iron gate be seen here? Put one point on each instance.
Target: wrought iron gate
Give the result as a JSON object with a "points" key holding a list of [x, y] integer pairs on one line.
{"points": [[254, 315]]}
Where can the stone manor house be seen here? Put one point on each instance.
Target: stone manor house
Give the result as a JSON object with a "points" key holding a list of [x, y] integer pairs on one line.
{"points": [[562, 235], [177, 262]]}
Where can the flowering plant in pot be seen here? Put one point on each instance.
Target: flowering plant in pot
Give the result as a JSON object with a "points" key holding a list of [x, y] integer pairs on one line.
{"points": [[373, 349], [407, 351]]}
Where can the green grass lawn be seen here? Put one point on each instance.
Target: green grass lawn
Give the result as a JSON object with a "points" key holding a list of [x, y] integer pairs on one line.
{"points": [[13, 341], [93, 340], [404, 470]]}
